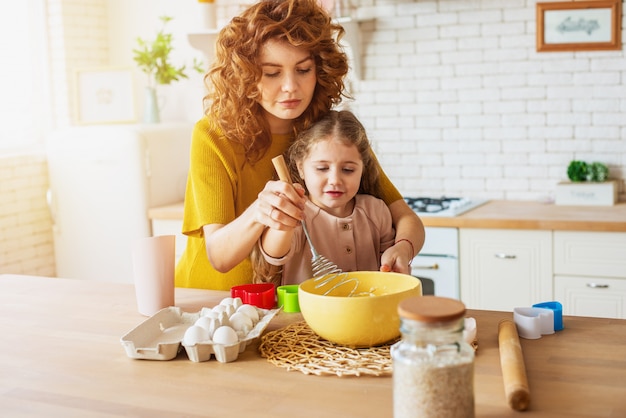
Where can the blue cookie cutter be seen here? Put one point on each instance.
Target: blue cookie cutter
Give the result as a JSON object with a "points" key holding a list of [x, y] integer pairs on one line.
{"points": [[557, 308]]}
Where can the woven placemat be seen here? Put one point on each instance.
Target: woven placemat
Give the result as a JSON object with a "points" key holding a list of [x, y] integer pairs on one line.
{"points": [[297, 347]]}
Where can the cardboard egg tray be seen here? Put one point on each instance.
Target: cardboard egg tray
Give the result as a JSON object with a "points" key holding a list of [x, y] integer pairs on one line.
{"points": [[160, 337]]}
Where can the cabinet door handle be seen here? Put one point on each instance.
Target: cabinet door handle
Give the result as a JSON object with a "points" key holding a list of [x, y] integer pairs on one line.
{"points": [[434, 266], [597, 286], [505, 256]]}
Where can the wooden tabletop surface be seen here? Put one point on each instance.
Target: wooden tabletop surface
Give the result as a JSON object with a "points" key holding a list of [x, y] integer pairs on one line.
{"points": [[61, 356], [502, 214], [511, 214]]}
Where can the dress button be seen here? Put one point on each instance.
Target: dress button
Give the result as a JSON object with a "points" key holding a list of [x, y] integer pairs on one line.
{"points": [[346, 227], [348, 250]]}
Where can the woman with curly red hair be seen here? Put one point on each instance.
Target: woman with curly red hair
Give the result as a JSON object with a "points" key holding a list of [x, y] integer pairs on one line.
{"points": [[278, 69]]}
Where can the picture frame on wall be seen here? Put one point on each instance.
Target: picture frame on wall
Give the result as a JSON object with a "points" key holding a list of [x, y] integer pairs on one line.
{"points": [[104, 95], [579, 26]]}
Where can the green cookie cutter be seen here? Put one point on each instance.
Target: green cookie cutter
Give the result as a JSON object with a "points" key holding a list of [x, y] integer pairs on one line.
{"points": [[288, 297]]}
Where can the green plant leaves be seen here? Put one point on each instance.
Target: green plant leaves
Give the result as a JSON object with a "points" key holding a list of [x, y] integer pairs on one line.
{"points": [[581, 171], [599, 172], [153, 58], [577, 171]]}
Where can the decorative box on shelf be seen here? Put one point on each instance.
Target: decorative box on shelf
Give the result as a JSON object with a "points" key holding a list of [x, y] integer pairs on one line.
{"points": [[586, 193]]}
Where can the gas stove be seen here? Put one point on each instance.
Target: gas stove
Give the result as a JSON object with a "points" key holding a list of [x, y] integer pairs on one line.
{"points": [[443, 206]]}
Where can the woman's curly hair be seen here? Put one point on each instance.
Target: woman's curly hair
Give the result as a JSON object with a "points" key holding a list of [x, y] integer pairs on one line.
{"points": [[232, 81]]}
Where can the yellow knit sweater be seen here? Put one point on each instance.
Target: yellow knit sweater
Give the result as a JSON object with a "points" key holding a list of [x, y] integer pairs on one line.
{"points": [[220, 186]]}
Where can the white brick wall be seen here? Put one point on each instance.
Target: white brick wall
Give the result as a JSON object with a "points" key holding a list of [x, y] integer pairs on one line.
{"points": [[458, 102], [79, 37], [25, 226]]}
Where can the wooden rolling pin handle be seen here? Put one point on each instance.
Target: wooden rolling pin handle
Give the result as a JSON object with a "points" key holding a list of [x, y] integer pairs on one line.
{"points": [[513, 368], [281, 168]]}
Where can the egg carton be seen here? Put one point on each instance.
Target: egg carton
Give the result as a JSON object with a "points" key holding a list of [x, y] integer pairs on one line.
{"points": [[160, 337]]}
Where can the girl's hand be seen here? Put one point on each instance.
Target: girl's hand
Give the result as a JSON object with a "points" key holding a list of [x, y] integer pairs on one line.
{"points": [[397, 258], [280, 205]]}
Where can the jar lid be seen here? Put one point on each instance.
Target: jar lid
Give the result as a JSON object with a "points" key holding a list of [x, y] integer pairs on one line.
{"points": [[431, 309]]}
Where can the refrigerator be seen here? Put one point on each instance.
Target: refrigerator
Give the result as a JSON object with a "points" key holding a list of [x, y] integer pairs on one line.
{"points": [[103, 180]]}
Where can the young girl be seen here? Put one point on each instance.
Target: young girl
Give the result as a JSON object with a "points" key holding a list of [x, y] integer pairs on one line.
{"points": [[347, 221]]}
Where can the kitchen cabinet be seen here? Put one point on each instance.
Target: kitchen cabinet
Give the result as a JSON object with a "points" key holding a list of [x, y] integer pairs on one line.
{"points": [[590, 273], [502, 269]]}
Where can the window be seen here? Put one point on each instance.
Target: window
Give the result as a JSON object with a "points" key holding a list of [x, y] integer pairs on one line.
{"points": [[24, 103]]}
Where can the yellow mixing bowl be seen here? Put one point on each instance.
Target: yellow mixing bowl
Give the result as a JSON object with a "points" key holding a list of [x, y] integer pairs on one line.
{"points": [[358, 321]]}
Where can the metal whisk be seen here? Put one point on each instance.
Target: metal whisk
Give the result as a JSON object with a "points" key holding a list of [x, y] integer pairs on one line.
{"points": [[325, 272]]}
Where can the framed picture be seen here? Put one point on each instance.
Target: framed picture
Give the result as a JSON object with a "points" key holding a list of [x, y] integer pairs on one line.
{"points": [[104, 96], [579, 26]]}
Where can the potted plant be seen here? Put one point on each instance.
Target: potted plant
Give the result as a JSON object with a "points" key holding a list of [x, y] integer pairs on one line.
{"points": [[588, 185], [153, 58]]}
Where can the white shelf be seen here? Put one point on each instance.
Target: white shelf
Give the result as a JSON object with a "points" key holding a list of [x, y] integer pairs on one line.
{"points": [[204, 40], [353, 39]]}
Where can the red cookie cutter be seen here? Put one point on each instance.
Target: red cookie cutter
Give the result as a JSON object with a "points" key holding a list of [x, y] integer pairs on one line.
{"points": [[261, 295]]}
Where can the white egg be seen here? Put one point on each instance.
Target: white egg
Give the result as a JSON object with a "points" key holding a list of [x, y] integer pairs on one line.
{"points": [[241, 323], [225, 336], [194, 335], [250, 311], [208, 312], [229, 309], [219, 308], [208, 323], [203, 322]]}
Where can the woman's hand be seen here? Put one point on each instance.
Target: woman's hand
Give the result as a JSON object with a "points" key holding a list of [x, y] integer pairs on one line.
{"points": [[280, 205], [276, 240]]}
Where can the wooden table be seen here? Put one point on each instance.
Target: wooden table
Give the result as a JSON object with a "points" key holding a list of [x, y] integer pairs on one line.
{"points": [[61, 356]]}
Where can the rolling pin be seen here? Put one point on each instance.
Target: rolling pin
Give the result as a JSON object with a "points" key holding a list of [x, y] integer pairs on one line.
{"points": [[513, 368]]}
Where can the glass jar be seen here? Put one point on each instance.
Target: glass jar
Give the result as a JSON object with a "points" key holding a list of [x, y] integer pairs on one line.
{"points": [[433, 366]]}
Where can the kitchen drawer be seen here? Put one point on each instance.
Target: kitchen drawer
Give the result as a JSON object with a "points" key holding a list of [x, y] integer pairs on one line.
{"points": [[597, 254], [591, 296], [504, 269]]}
